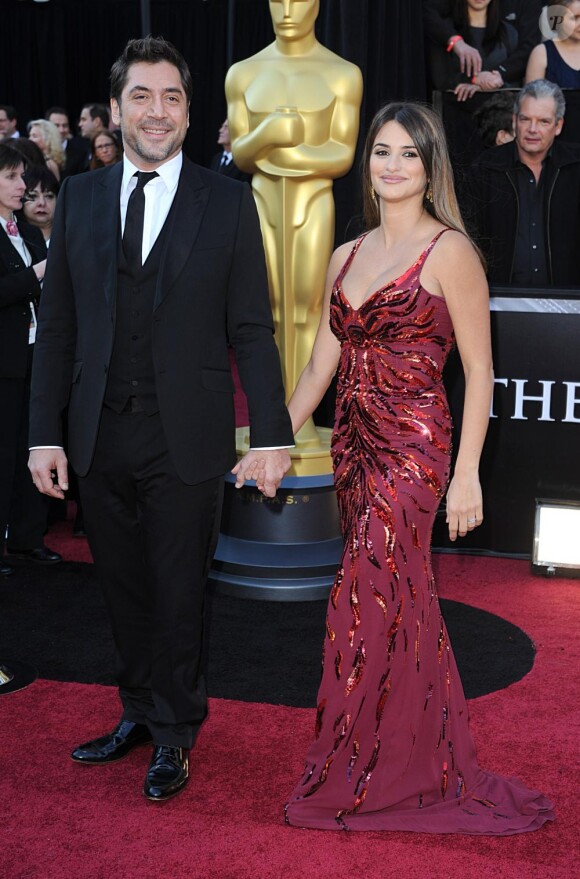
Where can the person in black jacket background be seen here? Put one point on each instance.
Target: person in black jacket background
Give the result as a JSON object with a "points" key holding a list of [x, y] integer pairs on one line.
{"points": [[523, 15], [525, 197], [495, 39], [22, 264]]}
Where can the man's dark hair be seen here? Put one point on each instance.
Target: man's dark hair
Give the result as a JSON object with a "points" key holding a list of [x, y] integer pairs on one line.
{"points": [[60, 110], [495, 114], [98, 111], [10, 111], [36, 174], [150, 50], [30, 151], [9, 157]]}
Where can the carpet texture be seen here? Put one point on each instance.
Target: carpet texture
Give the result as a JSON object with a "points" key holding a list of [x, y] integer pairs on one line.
{"points": [[256, 651], [61, 820]]}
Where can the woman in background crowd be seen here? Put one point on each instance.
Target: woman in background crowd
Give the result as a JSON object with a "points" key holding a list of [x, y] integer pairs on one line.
{"points": [[22, 263], [40, 199], [559, 60], [105, 150], [478, 22], [46, 136]]}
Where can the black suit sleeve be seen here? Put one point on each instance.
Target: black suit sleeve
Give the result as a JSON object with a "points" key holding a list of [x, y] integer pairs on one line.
{"points": [[528, 28], [250, 331], [438, 23]]}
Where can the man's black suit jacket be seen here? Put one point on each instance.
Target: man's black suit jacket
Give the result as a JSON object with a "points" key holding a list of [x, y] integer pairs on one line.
{"points": [[76, 156], [18, 287], [211, 290]]}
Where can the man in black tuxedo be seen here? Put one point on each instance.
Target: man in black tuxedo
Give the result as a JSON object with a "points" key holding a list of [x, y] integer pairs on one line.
{"points": [[223, 162], [155, 266]]}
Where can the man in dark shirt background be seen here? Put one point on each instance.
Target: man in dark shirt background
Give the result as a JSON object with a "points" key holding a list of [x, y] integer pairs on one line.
{"points": [[525, 197], [223, 162]]}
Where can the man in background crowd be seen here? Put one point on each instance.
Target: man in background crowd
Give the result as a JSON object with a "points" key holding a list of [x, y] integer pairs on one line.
{"points": [[223, 162], [75, 148], [8, 123], [525, 197], [93, 117]]}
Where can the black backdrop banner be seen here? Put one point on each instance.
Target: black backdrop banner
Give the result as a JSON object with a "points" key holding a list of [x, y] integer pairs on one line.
{"points": [[533, 439], [60, 53]]}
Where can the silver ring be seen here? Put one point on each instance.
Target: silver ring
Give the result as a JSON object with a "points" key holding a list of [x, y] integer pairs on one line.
{"points": [[471, 521]]}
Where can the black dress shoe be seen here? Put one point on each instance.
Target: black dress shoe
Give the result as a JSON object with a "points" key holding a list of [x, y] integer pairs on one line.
{"points": [[5, 570], [42, 555], [114, 746], [168, 773]]}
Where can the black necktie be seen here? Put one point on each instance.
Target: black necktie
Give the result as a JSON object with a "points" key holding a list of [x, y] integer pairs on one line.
{"points": [[133, 234]]}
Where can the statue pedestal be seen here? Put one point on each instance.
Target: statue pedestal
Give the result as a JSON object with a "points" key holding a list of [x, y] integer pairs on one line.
{"points": [[286, 548]]}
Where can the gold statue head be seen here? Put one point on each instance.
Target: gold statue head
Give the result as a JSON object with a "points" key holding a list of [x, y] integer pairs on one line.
{"points": [[293, 19], [426, 133]]}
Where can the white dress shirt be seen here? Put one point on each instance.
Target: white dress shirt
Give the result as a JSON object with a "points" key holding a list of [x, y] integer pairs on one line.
{"points": [[159, 195]]}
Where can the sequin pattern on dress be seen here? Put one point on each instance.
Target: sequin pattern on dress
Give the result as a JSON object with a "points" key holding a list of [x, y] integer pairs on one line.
{"points": [[405, 759]]}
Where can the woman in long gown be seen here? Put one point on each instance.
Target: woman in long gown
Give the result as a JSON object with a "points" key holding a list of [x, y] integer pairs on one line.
{"points": [[392, 748]]}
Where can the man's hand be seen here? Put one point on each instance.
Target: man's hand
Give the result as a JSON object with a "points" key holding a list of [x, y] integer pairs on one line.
{"points": [[44, 464], [265, 466], [469, 58]]}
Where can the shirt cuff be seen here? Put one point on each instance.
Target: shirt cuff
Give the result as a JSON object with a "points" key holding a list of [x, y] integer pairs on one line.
{"points": [[33, 448], [268, 448]]}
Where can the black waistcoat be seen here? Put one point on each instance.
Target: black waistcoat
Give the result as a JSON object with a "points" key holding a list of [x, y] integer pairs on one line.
{"points": [[132, 371]]}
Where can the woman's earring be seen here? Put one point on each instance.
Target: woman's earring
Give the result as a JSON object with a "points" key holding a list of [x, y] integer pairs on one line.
{"points": [[429, 193], [372, 193]]}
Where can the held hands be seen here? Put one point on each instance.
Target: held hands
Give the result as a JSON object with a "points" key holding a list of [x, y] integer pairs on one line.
{"points": [[265, 466], [486, 81], [43, 463], [489, 80], [464, 505]]}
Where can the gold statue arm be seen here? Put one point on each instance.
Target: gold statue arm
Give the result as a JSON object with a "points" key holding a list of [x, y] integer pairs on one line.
{"points": [[276, 145], [281, 129]]}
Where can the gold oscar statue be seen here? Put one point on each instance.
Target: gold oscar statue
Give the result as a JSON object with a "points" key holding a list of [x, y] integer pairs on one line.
{"points": [[293, 112]]}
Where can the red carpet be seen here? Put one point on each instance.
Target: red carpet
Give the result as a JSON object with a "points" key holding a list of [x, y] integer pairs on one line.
{"points": [[62, 820]]}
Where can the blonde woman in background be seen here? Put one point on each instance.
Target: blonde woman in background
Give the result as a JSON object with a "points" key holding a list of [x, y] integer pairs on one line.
{"points": [[46, 136]]}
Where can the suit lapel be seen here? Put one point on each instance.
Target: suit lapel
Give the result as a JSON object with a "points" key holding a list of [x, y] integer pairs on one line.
{"points": [[106, 227], [183, 225]]}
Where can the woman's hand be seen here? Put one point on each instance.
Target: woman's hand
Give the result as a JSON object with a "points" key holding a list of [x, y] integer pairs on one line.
{"points": [[464, 505], [466, 90]]}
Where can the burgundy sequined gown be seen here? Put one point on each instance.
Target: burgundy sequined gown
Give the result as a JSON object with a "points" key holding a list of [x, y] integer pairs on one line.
{"points": [[393, 749]]}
